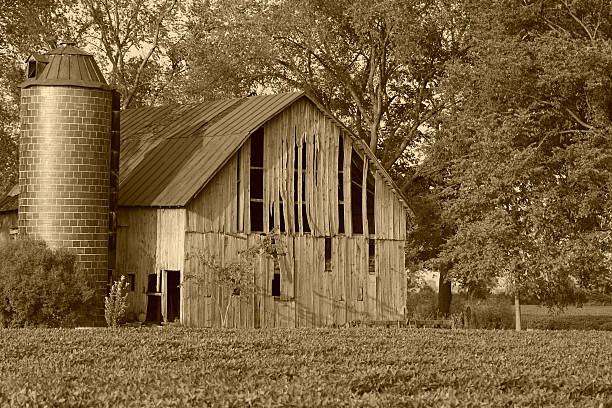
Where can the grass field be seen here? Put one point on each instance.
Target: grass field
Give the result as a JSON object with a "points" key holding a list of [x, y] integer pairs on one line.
{"points": [[176, 367]]}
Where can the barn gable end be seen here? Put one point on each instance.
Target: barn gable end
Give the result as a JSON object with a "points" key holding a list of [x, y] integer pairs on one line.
{"points": [[307, 185]]}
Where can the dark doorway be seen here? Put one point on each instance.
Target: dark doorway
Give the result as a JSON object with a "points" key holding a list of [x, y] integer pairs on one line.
{"points": [[153, 299], [173, 297]]}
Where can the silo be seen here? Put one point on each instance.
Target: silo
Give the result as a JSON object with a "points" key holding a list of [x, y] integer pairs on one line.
{"points": [[65, 159]]}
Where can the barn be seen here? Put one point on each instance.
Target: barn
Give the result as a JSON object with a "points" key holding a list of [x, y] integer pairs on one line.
{"points": [[219, 177]]}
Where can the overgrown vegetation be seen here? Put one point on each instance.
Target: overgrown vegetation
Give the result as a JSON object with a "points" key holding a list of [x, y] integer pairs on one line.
{"points": [[40, 286], [235, 276], [116, 302], [358, 367]]}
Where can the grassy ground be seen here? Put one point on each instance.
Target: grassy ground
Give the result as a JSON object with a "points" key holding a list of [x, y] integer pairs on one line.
{"points": [[571, 318], [536, 310], [172, 367]]}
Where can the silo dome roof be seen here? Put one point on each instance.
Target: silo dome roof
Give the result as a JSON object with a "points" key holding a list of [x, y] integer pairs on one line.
{"points": [[67, 65]]}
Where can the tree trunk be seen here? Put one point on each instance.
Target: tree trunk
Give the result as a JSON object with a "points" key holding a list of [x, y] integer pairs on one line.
{"points": [[517, 313], [444, 295]]}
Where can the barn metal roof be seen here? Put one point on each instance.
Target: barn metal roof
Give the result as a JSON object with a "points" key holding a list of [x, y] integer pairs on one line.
{"points": [[169, 153], [67, 65]]}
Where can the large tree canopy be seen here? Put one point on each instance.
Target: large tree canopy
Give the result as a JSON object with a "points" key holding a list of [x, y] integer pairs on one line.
{"points": [[523, 166], [135, 44], [375, 64]]}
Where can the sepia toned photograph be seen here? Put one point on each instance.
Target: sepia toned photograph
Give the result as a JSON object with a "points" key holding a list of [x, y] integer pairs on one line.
{"points": [[305, 203]]}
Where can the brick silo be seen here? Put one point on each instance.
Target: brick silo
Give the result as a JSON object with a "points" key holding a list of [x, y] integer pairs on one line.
{"points": [[65, 152]]}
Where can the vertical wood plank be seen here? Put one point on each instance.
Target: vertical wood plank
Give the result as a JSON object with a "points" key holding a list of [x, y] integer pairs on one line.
{"points": [[364, 197], [325, 170], [402, 280], [348, 221], [341, 271], [372, 284], [300, 187], [290, 171]]}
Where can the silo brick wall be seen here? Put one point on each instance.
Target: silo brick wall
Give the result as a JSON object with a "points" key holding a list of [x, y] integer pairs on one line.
{"points": [[64, 159]]}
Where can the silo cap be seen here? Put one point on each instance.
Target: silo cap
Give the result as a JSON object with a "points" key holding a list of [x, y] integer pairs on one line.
{"points": [[68, 66]]}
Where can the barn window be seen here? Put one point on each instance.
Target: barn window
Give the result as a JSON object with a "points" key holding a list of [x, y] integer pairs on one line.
{"points": [[370, 203], [328, 254], [276, 279], [257, 182], [356, 182], [131, 280], [32, 69]]}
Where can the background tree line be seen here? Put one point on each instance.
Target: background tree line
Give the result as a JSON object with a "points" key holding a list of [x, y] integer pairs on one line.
{"points": [[494, 117]]}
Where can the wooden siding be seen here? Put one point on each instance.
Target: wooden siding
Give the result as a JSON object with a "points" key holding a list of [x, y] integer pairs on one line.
{"points": [[136, 251], [300, 149], [149, 241], [310, 296], [170, 251], [223, 207], [8, 221]]}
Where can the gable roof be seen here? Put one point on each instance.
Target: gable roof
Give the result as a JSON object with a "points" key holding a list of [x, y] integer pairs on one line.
{"points": [[168, 154]]}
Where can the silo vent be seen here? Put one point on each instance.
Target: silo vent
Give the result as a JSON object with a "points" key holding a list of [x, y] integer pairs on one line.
{"points": [[36, 64]]}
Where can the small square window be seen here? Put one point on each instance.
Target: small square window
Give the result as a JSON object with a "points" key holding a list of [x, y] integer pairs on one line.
{"points": [[328, 254], [131, 279]]}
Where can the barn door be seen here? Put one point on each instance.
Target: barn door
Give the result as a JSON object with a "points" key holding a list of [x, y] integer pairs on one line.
{"points": [[173, 295]]}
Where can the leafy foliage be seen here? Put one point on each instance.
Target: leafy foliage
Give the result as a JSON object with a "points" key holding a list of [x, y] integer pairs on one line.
{"points": [[116, 302], [235, 276], [375, 64], [40, 286], [522, 166], [267, 368]]}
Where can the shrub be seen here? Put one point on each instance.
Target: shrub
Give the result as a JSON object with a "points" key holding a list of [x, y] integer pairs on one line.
{"points": [[493, 313], [115, 303], [576, 322], [422, 303], [40, 286]]}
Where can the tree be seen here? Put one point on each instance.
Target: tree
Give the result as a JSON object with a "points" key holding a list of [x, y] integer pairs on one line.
{"points": [[130, 35], [375, 65], [524, 162], [25, 27], [426, 239]]}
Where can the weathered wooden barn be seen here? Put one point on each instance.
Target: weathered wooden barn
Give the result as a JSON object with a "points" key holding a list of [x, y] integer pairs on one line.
{"points": [[217, 176]]}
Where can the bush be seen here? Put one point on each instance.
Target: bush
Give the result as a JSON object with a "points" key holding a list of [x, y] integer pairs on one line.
{"points": [[40, 286], [492, 313], [422, 303], [575, 322]]}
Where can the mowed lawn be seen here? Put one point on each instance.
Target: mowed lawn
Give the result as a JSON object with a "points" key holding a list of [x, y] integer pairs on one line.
{"points": [[178, 367]]}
